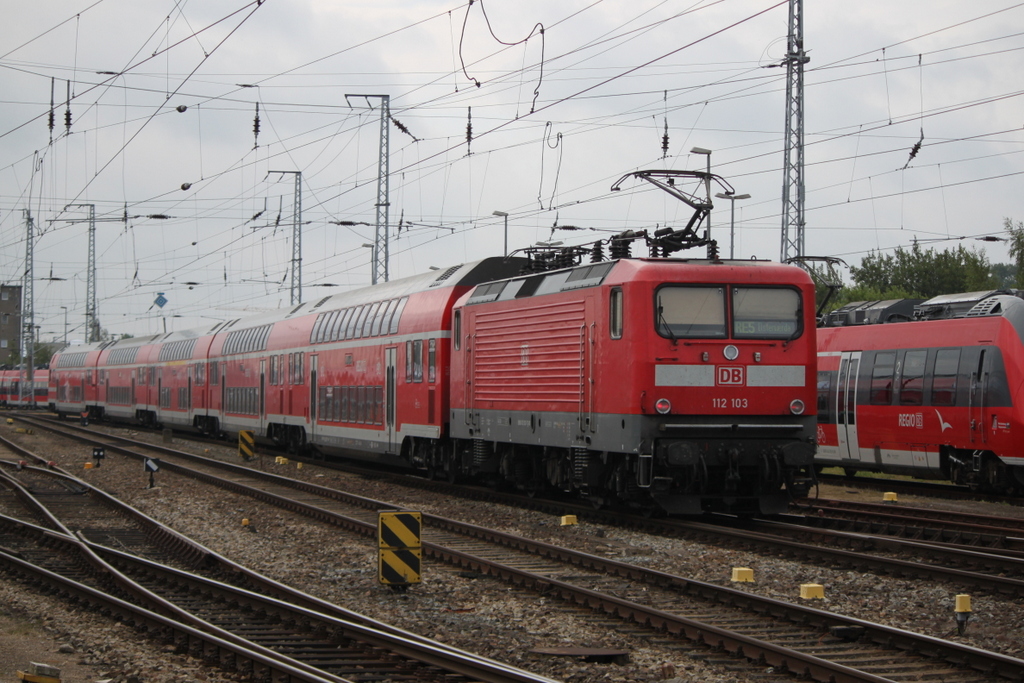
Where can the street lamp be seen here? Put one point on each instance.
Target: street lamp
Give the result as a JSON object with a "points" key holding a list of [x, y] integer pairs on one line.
{"points": [[505, 216], [65, 325], [732, 220]]}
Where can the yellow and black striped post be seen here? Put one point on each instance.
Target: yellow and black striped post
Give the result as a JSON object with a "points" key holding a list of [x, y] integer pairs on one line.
{"points": [[246, 444], [401, 553]]}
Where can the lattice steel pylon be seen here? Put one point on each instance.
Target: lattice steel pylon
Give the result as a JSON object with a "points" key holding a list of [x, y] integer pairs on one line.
{"points": [[28, 316], [793, 165], [379, 272]]}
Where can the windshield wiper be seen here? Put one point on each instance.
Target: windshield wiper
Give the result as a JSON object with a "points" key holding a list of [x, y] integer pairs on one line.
{"points": [[668, 328]]}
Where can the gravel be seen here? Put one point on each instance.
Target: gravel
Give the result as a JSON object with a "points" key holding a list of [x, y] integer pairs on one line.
{"points": [[481, 615]]}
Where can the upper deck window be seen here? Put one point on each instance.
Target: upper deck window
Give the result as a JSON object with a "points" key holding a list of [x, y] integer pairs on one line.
{"points": [[689, 312], [765, 313]]}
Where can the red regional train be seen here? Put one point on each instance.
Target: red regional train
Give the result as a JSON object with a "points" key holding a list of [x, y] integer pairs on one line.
{"points": [[931, 389], [684, 385], [13, 395]]}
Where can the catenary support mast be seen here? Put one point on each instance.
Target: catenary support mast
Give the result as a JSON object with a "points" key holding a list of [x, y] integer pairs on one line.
{"points": [[793, 165]]}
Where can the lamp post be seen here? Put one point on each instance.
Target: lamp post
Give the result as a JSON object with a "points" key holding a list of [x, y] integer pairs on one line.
{"points": [[65, 325], [732, 216], [505, 216]]}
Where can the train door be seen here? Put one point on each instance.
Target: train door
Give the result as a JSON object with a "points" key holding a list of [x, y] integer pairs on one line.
{"points": [[312, 396], [390, 391], [261, 400], [976, 399], [846, 406], [470, 387]]}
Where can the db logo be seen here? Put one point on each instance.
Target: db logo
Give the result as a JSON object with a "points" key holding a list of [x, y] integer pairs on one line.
{"points": [[731, 375]]}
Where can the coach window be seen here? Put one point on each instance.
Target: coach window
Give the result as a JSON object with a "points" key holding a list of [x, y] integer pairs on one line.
{"points": [[765, 313], [417, 360], [329, 330], [368, 322], [615, 313], [273, 371], [824, 404], [408, 362], [432, 361], [912, 380], [316, 334], [339, 333], [398, 314], [881, 378], [214, 375], [947, 361], [457, 330], [690, 312], [364, 310]]}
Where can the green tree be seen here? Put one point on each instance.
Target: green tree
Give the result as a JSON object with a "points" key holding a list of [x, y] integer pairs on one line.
{"points": [[1016, 231], [925, 273]]}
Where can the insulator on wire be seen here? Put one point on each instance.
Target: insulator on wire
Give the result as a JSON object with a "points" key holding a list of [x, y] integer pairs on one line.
{"points": [[53, 117], [67, 111], [256, 128], [469, 130], [664, 142], [597, 252]]}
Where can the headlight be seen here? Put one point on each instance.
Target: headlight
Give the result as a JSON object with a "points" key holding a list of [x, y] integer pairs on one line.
{"points": [[796, 406], [731, 352], [663, 405]]}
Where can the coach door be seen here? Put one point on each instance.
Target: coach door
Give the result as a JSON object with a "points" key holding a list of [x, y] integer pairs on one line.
{"points": [[313, 364], [979, 386], [390, 390], [262, 399], [846, 406]]}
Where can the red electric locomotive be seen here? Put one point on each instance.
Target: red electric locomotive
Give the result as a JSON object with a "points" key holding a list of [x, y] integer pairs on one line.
{"points": [[929, 389], [688, 383]]}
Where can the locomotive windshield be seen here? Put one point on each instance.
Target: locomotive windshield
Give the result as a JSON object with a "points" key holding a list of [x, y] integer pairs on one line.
{"points": [[686, 312], [765, 312], [689, 312]]}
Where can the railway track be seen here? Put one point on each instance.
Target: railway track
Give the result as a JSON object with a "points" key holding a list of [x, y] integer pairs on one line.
{"points": [[805, 641], [94, 543]]}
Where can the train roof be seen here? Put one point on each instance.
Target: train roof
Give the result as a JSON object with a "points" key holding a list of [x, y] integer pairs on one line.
{"points": [[593, 274], [1001, 303], [465, 275]]}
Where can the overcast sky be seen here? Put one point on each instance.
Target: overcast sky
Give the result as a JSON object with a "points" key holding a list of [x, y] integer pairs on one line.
{"points": [[164, 97]]}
